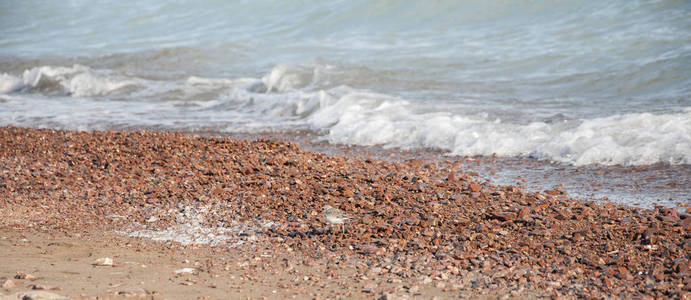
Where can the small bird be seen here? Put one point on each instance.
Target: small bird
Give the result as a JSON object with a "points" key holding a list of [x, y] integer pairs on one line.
{"points": [[335, 215]]}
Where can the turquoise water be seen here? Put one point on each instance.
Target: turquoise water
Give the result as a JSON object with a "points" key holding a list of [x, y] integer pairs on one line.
{"points": [[576, 82]]}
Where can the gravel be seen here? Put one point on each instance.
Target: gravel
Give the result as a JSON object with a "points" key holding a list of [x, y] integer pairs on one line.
{"points": [[414, 220]]}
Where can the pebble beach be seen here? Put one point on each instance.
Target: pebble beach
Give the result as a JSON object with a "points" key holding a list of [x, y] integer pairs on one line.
{"points": [[245, 218]]}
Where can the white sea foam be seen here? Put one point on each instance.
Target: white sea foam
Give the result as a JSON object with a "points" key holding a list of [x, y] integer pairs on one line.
{"points": [[284, 78], [362, 118], [9, 83], [78, 81], [631, 139], [88, 84]]}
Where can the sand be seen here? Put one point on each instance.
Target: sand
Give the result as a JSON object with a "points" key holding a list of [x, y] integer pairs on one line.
{"points": [[65, 265]]}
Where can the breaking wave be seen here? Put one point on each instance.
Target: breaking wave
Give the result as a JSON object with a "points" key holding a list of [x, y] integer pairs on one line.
{"points": [[290, 97]]}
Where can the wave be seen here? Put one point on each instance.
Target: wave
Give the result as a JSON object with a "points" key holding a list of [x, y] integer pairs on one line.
{"points": [[352, 116], [82, 81], [78, 80], [631, 139], [298, 96]]}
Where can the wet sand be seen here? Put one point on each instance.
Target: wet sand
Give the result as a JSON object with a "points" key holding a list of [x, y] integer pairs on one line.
{"points": [[252, 210]]}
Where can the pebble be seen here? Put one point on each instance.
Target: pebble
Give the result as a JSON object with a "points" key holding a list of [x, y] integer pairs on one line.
{"points": [[186, 271], [25, 276], [38, 295], [106, 262], [133, 292], [474, 187], [389, 296], [45, 287], [7, 284]]}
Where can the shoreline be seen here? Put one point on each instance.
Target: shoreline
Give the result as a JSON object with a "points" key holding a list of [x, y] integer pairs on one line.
{"points": [[418, 224], [644, 186]]}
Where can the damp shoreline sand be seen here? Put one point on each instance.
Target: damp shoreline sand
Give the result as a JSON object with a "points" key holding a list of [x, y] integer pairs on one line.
{"points": [[423, 228]]}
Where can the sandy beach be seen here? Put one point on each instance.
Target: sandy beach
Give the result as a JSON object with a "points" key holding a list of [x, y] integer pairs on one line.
{"points": [[184, 217]]}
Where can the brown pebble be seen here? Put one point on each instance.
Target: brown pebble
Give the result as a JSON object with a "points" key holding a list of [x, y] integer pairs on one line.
{"points": [[26, 276], [7, 284], [45, 287], [474, 187]]}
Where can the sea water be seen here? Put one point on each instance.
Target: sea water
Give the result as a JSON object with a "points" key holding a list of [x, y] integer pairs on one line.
{"points": [[579, 84]]}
